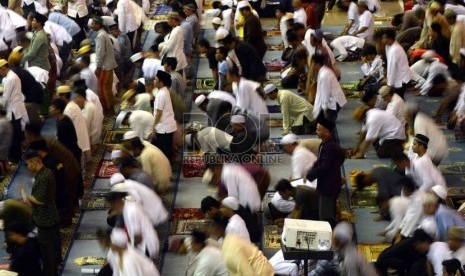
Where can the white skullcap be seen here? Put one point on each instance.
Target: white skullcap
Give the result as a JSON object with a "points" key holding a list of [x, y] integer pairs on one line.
{"points": [[231, 202], [118, 237], [269, 88], [117, 178], [58, 7], [200, 99], [221, 33], [136, 57], [216, 20], [428, 224], [428, 54], [440, 191], [188, 140], [130, 135], [289, 139], [462, 51], [242, 4], [238, 119], [343, 232], [115, 154], [118, 188]]}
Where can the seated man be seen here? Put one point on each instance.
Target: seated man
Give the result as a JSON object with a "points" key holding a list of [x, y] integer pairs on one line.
{"points": [[347, 47], [298, 202], [372, 68]]}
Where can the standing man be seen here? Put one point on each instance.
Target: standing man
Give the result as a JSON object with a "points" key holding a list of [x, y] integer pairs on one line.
{"points": [[165, 124], [366, 23], [327, 170], [77, 11], [178, 84], [105, 63], [13, 103], [398, 70], [173, 45], [253, 33], [191, 17], [38, 51], [302, 158], [44, 213]]}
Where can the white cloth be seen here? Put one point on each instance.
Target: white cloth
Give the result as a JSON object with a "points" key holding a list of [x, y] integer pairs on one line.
{"points": [[73, 111], [396, 108], [134, 263], [94, 122], [57, 33], [374, 68], [127, 20], [17, 20], [398, 70], [383, 126], [138, 224], [413, 215], [307, 44], [366, 20], [424, 173], [91, 80], [419, 72], [460, 255], [39, 74], [211, 139], [437, 253], [150, 202], [329, 92], [458, 9], [77, 8], [227, 20], [155, 163], [222, 95], [352, 16], [141, 122], [300, 16], [437, 146], [150, 67], [236, 225], [302, 161], [247, 96], [283, 27], [92, 97], [397, 209], [167, 123], [12, 98], [283, 267], [283, 205], [242, 186], [436, 68], [343, 43], [173, 46], [7, 27], [209, 262]]}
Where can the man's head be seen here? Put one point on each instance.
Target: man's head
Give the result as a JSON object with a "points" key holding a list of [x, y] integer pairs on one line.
{"points": [[369, 99], [296, 4], [218, 226], [318, 61], [127, 165], [136, 146], [202, 102], [210, 206], [189, 9], [299, 30], [422, 241], [279, 12], [137, 60], [233, 74], [40, 146], [419, 13], [203, 46], [289, 143], [162, 79], [64, 93], [435, 8], [199, 241], [271, 91], [114, 30], [33, 162], [363, 179], [116, 201], [170, 63], [430, 204], [420, 144], [342, 235], [79, 96], [173, 19], [362, 6], [369, 52], [32, 132], [17, 232], [324, 128], [389, 37], [229, 206], [450, 267], [385, 92], [292, 38], [435, 30], [244, 9], [221, 53], [162, 28], [455, 237], [285, 189], [237, 123], [38, 21], [97, 24]]}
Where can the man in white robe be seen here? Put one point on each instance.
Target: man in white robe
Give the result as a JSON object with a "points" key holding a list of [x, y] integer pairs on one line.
{"points": [[94, 121], [395, 104], [141, 122], [302, 158], [247, 94], [173, 46], [236, 225], [208, 260]]}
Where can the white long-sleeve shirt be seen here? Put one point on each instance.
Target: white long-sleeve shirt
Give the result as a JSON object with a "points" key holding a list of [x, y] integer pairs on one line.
{"points": [[366, 20], [127, 20], [425, 174], [242, 186], [141, 122], [94, 122], [209, 262], [352, 16], [150, 67], [398, 70], [437, 146], [300, 16], [302, 160], [91, 81], [73, 111], [396, 108], [236, 225], [211, 139], [247, 97], [173, 46], [437, 253], [58, 34], [77, 8], [435, 68], [329, 92], [133, 263], [374, 68], [12, 98], [283, 205], [460, 106]]}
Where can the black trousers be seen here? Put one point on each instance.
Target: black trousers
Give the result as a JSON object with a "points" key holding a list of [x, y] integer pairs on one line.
{"points": [[389, 148], [82, 22], [327, 209], [165, 143], [401, 90], [14, 154], [50, 248]]}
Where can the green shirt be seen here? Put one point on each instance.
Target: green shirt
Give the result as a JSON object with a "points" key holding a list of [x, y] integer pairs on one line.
{"points": [[37, 52], [293, 108], [44, 190]]}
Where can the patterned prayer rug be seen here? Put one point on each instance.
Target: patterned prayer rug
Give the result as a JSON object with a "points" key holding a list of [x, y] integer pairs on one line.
{"points": [[193, 166], [274, 66], [86, 236], [186, 213], [94, 203], [272, 237], [185, 227], [372, 251], [82, 261], [204, 84], [365, 198], [272, 47], [455, 197], [272, 146], [113, 137], [456, 168], [106, 169], [275, 122], [271, 33], [162, 10]]}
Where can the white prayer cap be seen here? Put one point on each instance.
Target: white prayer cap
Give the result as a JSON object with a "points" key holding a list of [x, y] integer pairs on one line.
{"points": [[462, 51], [129, 135], [440, 191], [119, 237], [231, 202], [221, 33], [58, 7], [115, 154], [200, 99], [217, 21], [108, 2], [270, 88], [119, 188], [428, 54], [117, 178], [242, 4], [136, 57], [238, 119], [289, 139], [343, 232], [429, 226], [188, 140]]}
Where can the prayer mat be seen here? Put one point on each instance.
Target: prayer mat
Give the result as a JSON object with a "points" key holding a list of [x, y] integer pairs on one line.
{"points": [[86, 236], [455, 197], [365, 198], [271, 32], [162, 10], [274, 66], [89, 260], [162, 17], [204, 84], [106, 169], [193, 166], [371, 252], [94, 203], [275, 122], [185, 227], [186, 213], [96, 193], [174, 241], [272, 146], [113, 137], [272, 47], [456, 168], [347, 216], [272, 237], [274, 108]]}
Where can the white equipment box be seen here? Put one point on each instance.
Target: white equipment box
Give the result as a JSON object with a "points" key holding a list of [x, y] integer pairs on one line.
{"points": [[307, 234]]}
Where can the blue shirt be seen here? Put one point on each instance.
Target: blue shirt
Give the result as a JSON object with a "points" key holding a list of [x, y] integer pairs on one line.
{"points": [[222, 70], [66, 22], [445, 218]]}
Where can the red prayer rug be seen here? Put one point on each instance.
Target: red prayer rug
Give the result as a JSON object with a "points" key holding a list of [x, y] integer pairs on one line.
{"points": [[106, 169]]}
